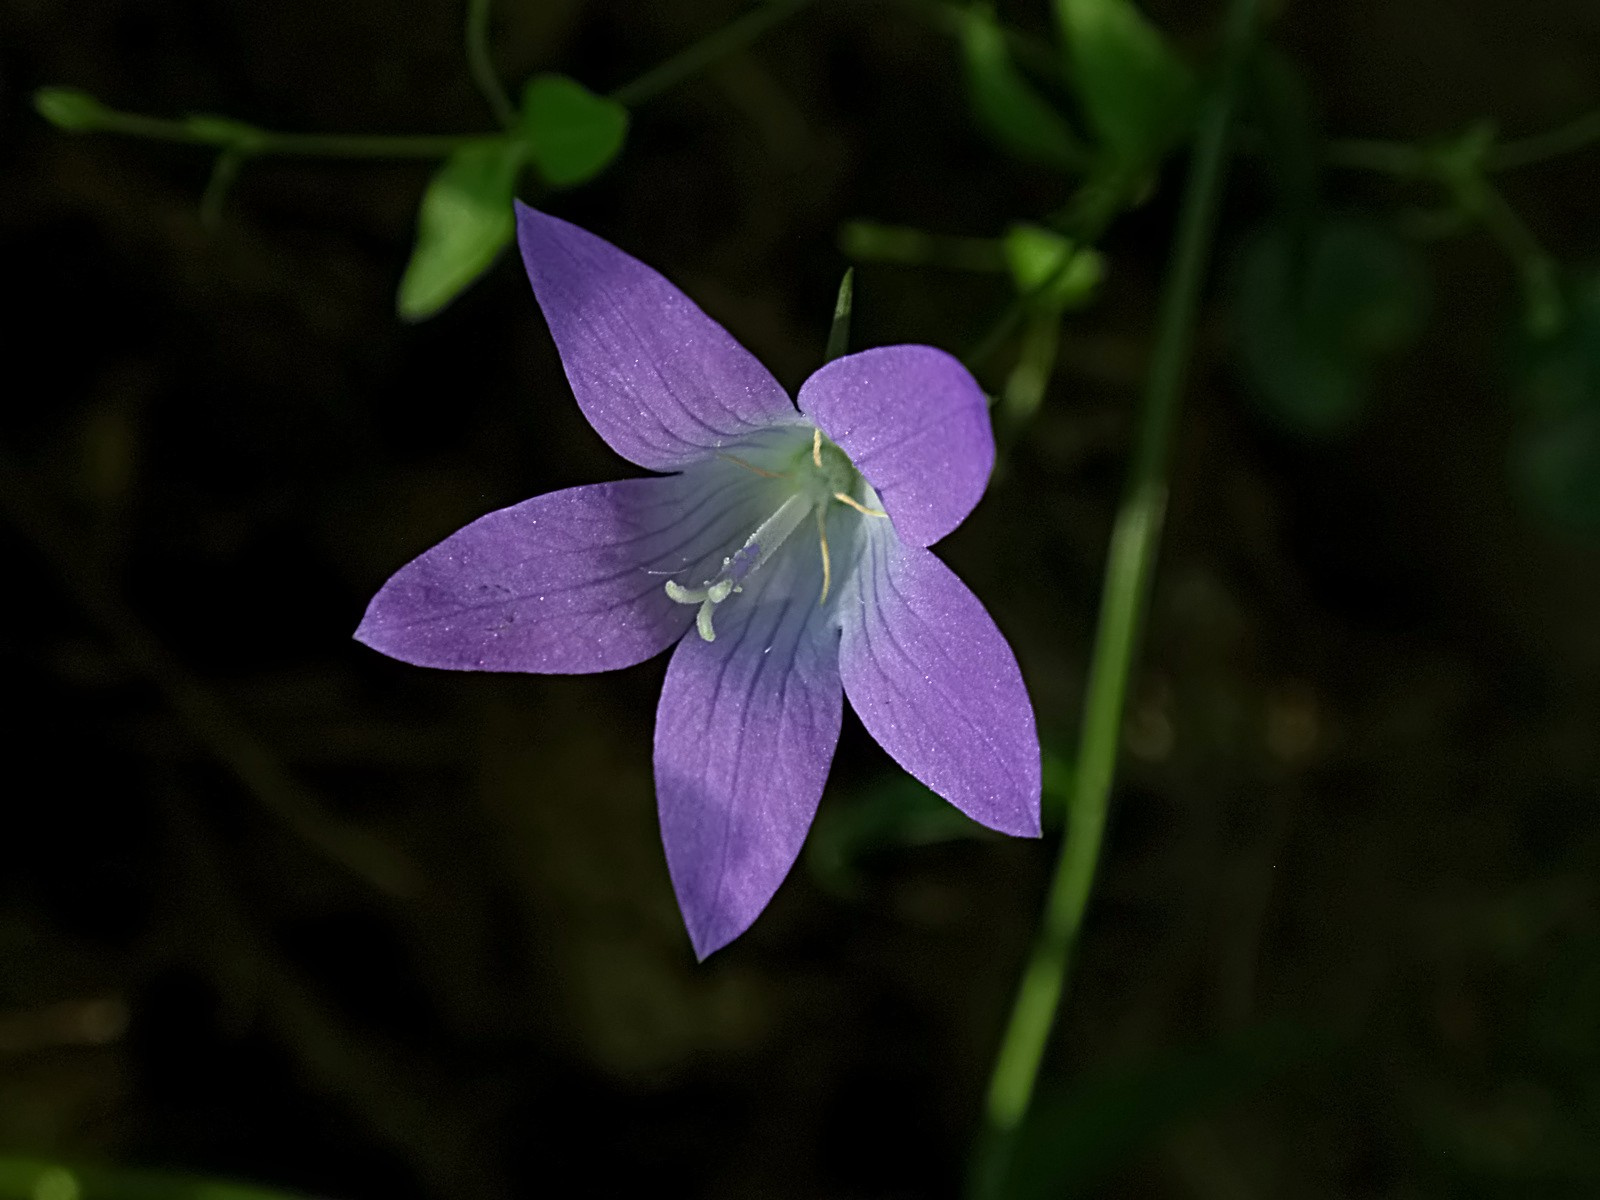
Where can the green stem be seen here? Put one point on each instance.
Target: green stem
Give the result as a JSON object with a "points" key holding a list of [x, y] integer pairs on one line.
{"points": [[79, 112], [236, 137], [1135, 538], [481, 66], [1405, 160], [696, 58], [1540, 147], [1083, 221], [1462, 169], [948, 17]]}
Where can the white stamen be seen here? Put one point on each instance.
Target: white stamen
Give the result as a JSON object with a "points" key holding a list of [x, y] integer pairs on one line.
{"points": [[817, 484]]}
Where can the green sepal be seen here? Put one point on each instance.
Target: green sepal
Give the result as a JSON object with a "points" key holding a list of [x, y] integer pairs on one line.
{"points": [[464, 221], [571, 134], [1137, 95]]}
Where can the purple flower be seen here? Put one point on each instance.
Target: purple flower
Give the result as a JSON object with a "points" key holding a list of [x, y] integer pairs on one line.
{"points": [[784, 550]]}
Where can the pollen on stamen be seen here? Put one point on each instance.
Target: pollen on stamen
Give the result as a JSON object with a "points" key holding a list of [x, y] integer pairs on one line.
{"points": [[679, 594]]}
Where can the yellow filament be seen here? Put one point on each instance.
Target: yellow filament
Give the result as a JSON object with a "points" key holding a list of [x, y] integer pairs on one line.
{"points": [[858, 506], [752, 467], [827, 566], [816, 447]]}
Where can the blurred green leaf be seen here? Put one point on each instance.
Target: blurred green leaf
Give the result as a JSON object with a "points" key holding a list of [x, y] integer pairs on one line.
{"points": [[1315, 312], [463, 223], [1055, 271], [1074, 1139], [36, 1179], [572, 134], [1137, 95], [1007, 104], [70, 109], [1555, 452]]}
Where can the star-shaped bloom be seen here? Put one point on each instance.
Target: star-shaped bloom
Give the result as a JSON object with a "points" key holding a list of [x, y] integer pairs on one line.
{"points": [[783, 549]]}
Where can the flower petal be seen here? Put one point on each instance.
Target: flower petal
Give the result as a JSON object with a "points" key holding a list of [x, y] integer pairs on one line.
{"points": [[916, 425], [566, 583], [745, 733], [936, 684], [659, 380]]}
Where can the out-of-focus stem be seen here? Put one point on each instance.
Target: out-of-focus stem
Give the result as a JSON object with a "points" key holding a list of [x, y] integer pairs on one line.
{"points": [[693, 59], [1135, 540], [481, 65]]}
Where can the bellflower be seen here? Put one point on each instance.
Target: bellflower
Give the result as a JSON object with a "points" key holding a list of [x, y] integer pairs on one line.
{"points": [[782, 548]]}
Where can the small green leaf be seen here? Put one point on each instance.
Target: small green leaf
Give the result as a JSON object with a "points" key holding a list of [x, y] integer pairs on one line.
{"points": [[1137, 95], [69, 109], [1008, 106], [571, 133], [464, 221], [1056, 272], [1315, 311]]}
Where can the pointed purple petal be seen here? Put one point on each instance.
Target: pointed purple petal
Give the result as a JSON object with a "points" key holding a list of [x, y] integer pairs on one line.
{"points": [[745, 733], [936, 684], [659, 380], [916, 425], [566, 583]]}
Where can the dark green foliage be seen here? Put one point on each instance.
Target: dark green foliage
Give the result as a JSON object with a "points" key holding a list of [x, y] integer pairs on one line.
{"points": [[1315, 314], [1555, 453]]}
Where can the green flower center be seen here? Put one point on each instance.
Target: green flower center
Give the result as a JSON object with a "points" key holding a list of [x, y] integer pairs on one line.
{"points": [[819, 475]]}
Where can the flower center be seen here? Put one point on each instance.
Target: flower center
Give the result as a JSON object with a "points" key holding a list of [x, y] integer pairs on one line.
{"points": [[821, 474]]}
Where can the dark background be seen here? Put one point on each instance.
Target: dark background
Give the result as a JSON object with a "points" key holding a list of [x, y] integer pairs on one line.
{"points": [[275, 907]]}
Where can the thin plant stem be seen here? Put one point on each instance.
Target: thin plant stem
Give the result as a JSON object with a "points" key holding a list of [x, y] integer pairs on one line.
{"points": [[248, 141], [695, 58], [1404, 160], [1541, 147], [1466, 179], [481, 66], [1036, 54], [1135, 540], [245, 140]]}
